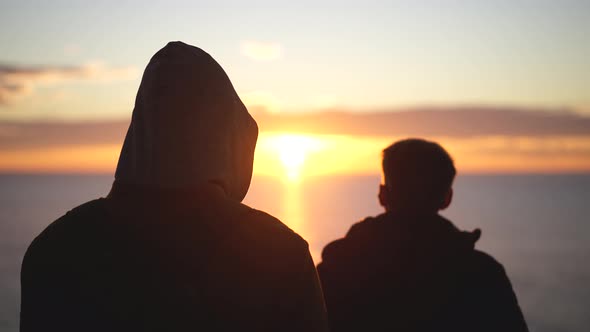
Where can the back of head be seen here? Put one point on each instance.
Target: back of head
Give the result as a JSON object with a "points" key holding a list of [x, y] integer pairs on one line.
{"points": [[189, 127], [417, 174]]}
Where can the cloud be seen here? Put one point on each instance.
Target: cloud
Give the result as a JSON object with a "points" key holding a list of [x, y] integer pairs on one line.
{"points": [[480, 139], [33, 135], [18, 81], [451, 122], [261, 51]]}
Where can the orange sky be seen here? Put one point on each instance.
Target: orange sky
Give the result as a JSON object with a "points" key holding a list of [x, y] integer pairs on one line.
{"points": [[291, 156], [506, 85], [481, 140]]}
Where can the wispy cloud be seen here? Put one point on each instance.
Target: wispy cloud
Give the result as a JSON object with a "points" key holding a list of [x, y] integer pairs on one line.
{"points": [[261, 51], [31, 135], [480, 140], [451, 123], [18, 81]]}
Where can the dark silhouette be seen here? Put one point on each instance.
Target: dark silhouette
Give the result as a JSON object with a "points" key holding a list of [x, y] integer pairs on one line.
{"points": [[410, 269], [171, 248]]}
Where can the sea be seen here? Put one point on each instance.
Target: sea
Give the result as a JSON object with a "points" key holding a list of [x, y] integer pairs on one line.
{"points": [[537, 226]]}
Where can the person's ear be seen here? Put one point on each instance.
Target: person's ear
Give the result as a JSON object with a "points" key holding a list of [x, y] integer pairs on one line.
{"points": [[447, 200], [383, 195]]}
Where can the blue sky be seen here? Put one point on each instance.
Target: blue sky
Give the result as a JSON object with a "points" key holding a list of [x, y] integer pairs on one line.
{"points": [[367, 55]]}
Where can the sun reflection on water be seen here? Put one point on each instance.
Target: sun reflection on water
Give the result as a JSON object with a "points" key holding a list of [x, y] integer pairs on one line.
{"points": [[293, 208]]}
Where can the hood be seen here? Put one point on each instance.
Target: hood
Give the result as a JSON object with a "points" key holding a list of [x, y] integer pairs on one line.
{"points": [[442, 232], [429, 233], [188, 127], [439, 234]]}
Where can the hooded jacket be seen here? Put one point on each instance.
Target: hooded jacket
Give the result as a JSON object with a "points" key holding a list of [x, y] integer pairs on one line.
{"points": [[401, 273], [171, 248]]}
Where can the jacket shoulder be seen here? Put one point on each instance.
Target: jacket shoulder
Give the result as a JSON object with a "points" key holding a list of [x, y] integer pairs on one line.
{"points": [[267, 220], [491, 292], [53, 244], [59, 230], [364, 226], [341, 246], [484, 263], [486, 273], [265, 224], [74, 217]]}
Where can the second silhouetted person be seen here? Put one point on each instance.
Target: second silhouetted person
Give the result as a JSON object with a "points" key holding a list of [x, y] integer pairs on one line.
{"points": [[410, 269]]}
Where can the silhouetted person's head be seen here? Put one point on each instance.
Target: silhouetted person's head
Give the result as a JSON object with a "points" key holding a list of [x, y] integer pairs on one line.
{"points": [[189, 127], [417, 177]]}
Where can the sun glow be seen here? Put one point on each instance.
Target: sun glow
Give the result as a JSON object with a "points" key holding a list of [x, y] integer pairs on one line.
{"points": [[292, 151], [294, 156]]}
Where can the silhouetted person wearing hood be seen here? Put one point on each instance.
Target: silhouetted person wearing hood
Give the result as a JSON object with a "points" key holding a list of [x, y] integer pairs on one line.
{"points": [[410, 269], [171, 248]]}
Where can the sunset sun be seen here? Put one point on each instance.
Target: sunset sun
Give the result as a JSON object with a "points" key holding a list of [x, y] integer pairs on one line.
{"points": [[293, 151]]}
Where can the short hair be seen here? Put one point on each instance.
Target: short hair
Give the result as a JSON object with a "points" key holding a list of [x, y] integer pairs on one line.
{"points": [[417, 172]]}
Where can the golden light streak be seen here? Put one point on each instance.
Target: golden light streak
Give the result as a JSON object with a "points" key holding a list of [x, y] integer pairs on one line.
{"points": [[291, 150], [292, 157], [67, 159]]}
